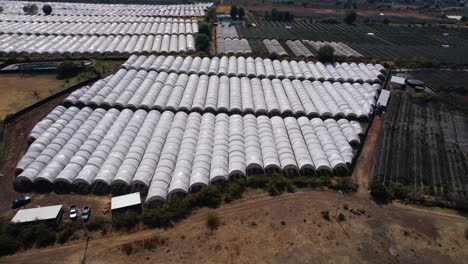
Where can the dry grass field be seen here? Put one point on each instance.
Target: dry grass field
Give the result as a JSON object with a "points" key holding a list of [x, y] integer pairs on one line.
{"points": [[284, 229], [18, 91]]}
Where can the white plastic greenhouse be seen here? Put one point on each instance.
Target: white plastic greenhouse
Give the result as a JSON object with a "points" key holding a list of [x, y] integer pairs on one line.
{"points": [[169, 153]]}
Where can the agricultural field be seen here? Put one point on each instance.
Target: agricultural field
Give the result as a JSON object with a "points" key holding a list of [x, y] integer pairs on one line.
{"points": [[18, 91], [423, 146], [441, 80], [383, 42]]}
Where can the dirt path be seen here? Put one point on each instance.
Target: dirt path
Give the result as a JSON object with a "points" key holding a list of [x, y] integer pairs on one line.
{"points": [[365, 163]]}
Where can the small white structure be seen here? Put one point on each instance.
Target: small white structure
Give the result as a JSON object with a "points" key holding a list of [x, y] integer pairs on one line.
{"points": [[51, 214], [398, 82], [120, 204], [383, 99]]}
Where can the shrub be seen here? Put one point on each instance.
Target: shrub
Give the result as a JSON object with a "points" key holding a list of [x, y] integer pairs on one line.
{"points": [[272, 189], [346, 206], [301, 182], [177, 208], [127, 220], [290, 187], [30, 9], [343, 183], [341, 217], [8, 245], [399, 191], [422, 98], [258, 181], [325, 215], [97, 223], [202, 42], [276, 186], [155, 218], [66, 231], [329, 20], [209, 196], [326, 53], [350, 17], [235, 190], [466, 233], [241, 13], [44, 236], [205, 28], [127, 248], [212, 221], [380, 192], [47, 9], [67, 69], [234, 12], [64, 235], [27, 236]]}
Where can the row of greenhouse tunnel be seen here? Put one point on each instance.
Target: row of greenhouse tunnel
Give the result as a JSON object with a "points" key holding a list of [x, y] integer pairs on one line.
{"points": [[50, 45], [63, 9], [86, 19], [167, 122], [258, 67], [166, 153], [172, 27], [150, 90]]}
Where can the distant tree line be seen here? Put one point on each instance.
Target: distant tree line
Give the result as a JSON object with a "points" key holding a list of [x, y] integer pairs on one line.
{"points": [[133, 2], [237, 12], [276, 15]]}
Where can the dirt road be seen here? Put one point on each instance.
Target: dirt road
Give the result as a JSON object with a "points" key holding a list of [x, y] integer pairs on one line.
{"points": [[365, 163]]}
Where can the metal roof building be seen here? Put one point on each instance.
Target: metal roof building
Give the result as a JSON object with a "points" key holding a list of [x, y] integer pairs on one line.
{"points": [[123, 201], [48, 213], [383, 98]]}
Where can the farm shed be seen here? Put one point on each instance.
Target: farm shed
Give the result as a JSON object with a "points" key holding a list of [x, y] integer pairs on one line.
{"points": [[398, 82], [124, 203], [50, 214], [382, 102]]}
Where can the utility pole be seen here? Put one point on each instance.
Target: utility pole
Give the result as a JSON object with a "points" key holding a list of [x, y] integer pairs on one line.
{"points": [[339, 195], [83, 261]]}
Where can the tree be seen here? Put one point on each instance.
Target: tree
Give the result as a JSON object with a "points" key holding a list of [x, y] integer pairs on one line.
{"points": [[267, 15], [209, 196], [241, 13], [234, 12], [127, 220], [350, 17], [202, 42], [30, 9], [386, 21], [210, 14], [67, 69], [9, 245], [47, 9], [212, 221], [380, 192], [205, 28], [326, 53], [464, 19]]}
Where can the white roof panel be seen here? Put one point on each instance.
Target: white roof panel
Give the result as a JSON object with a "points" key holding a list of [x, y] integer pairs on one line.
{"points": [[125, 200], [383, 98], [398, 80], [39, 213]]}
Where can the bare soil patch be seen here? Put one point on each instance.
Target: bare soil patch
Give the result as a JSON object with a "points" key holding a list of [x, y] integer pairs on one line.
{"points": [[284, 229]]}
